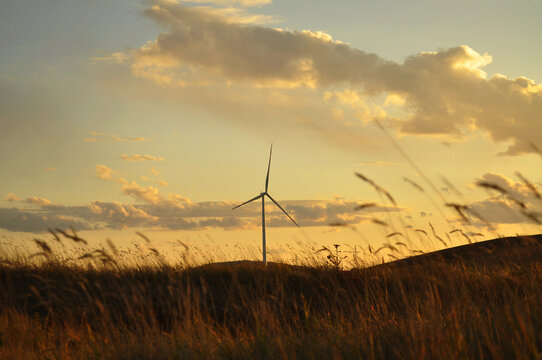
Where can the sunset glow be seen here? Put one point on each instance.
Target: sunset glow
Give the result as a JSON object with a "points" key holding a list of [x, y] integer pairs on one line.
{"points": [[156, 117]]}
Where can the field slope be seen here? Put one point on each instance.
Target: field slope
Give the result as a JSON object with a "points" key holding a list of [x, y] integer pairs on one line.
{"points": [[477, 301]]}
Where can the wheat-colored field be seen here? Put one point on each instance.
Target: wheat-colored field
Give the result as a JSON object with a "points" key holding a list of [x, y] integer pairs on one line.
{"points": [[480, 301]]}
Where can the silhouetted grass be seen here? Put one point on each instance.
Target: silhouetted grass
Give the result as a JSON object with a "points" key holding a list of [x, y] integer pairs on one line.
{"points": [[479, 301]]}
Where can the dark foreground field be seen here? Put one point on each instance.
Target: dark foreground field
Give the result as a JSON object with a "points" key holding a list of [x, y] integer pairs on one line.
{"points": [[474, 302]]}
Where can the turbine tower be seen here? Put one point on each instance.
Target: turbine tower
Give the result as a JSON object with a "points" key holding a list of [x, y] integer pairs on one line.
{"points": [[262, 196]]}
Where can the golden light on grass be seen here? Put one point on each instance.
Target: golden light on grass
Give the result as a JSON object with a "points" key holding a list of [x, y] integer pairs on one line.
{"points": [[474, 301]]}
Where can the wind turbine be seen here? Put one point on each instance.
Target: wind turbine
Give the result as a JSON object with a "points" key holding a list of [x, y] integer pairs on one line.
{"points": [[262, 196]]}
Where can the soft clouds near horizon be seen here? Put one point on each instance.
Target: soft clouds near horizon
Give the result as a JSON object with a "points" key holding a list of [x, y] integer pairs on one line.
{"points": [[167, 215], [512, 202], [26, 221], [153, 210]]}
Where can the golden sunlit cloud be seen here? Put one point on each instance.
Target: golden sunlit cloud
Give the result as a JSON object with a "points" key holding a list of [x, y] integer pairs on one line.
{"points": [[34, 200], [104, 173], [357, 106], [394, 99], [511, 202], [141, 157], [443, 93], [114, 58], [151, 195], [11, 198], [232, 2], [171, 211], [117, 215], [49, 169]]}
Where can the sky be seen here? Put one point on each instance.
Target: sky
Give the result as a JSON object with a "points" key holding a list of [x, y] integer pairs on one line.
{"points": [[157, 117]]}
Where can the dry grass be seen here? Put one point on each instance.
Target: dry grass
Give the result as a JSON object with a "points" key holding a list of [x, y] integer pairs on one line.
{"points": [[479, 301]]}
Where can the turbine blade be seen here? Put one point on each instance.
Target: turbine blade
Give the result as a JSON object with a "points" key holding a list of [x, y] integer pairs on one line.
{"points": [[284, 211], [246, 202], [268, 168]]}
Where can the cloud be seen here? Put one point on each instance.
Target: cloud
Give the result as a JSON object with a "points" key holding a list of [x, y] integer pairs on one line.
{"points": [[236, 15], [34, 200], [97, 215], [104, 137], [118, 216], [147, 194], [170, 211], [151, 195], [104, 173], [114, 58], [21, 220], [49, 169], [154, 210], [211, 42], [220, 214], [445, 92], [11, 198], [246, 3], [141, 157], [514, 203], [513, 188]]}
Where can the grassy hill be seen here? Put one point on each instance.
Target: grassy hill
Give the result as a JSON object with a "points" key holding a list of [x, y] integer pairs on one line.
{"points": [[475, 301]]}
